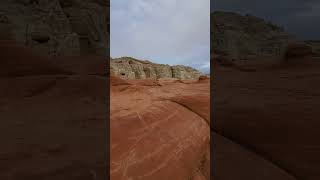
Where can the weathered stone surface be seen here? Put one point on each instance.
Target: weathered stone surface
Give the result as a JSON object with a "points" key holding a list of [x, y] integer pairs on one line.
{"points": [[315, 45], [56, 27], [130, 68], [183, 72], [246, 37], [159, 132]]}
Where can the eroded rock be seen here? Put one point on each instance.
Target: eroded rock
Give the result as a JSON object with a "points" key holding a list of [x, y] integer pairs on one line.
{"points": [[159, 132], [247, 37], [130, 68], [59, 28]]}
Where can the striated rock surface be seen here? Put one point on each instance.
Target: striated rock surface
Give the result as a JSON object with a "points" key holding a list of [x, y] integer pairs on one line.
{"points": [[159, 131], [130, 68], [56, 27]]}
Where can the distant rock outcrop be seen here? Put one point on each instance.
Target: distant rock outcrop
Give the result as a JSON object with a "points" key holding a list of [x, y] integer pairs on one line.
{"points": [[130, 68], [58, 27], [315, 45], [246, 37]]}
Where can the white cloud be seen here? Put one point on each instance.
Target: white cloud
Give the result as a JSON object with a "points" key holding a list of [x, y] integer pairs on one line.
{"points": [[165, 31]]}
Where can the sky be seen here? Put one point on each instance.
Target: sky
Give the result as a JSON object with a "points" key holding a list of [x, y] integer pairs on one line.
{"points": [[163, 31], [300, 18]]}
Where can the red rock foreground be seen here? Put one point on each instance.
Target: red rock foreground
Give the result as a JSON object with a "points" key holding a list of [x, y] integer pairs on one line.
{"points": [[266, 121], [53, 114], [160, 129]]}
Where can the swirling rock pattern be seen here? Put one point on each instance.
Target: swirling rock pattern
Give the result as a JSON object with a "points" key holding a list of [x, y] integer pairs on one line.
{"points": [[160, 130]]}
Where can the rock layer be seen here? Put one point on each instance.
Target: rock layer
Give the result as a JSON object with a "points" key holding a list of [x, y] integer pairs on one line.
{"points": [[272, 113], [159, 131], [47, 110], [130, 68], [58, 28], [266, 111], [248, 37]]}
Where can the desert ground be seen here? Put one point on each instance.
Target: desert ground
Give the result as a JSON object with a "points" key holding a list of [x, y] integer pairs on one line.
{"points": [[266, 121], [160, 129]]}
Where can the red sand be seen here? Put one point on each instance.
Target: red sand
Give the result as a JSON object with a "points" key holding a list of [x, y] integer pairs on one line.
{"points": [[159, 130]]}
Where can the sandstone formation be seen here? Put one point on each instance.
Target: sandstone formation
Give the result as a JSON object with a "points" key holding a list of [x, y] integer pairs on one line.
{"points": [[246, 37], [235, 161], [130, 68], [53, 116], [159, 131], [58, 27], [266, 121], [250, 43]]}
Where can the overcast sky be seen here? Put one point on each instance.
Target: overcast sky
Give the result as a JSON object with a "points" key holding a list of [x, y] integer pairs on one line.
{"points": [[299, 17], [163, 31]]}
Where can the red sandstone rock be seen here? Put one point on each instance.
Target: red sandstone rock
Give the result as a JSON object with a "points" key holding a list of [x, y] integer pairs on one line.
{"points": [[53, 114], [272, 114], [201, 78], [157, 132], [52, 121], [17, 60]]}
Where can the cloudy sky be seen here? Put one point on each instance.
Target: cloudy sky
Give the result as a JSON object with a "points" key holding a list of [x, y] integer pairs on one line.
{"points": [[299, 17], [163, 31]]}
